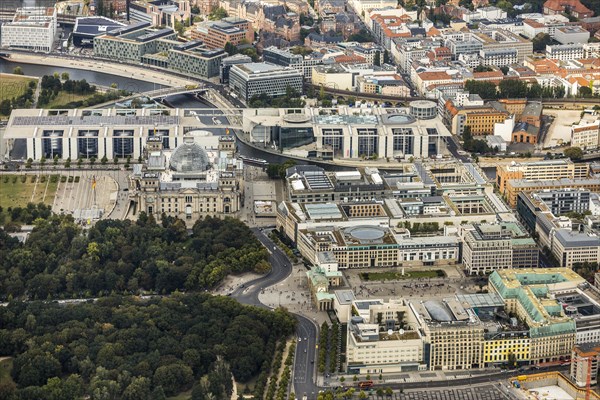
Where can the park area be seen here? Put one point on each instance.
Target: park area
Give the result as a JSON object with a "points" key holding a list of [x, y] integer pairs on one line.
{"points": [[18, 190], [399, 275], [13, 86]]}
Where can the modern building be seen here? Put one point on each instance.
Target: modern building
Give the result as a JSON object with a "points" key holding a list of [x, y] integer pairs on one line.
{"points": [[216, 34], [140, 44], [96, 133], [528, 294], [87, 28], [346, 132], [384, 338], [190, 182], [228, 62], [585, 360], [488, 247], [248, 80], [32, 28], [515, 186], [539, 171], [571, 34], [285, 58]]}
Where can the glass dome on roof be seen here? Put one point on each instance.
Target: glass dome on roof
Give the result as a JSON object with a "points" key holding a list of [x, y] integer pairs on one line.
{"points": [[189, 157]]}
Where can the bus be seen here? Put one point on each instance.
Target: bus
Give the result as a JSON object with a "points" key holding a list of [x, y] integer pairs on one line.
{"points": [[365, 384]]}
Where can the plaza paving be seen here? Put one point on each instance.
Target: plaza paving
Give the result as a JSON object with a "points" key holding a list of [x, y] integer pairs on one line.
{"points": [[485, 392]]}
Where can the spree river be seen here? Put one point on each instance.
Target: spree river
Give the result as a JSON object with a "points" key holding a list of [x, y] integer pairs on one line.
{"points": [[97, 78]]}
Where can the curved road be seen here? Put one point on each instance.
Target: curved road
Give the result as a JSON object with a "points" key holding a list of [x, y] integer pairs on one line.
{"points": [[306, 330]]}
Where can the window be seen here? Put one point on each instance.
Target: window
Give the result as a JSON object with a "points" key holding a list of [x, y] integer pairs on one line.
{"points": [[188, 199]]}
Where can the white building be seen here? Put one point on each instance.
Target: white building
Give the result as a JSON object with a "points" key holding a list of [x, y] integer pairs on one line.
{"points": [[498, 58], [248, 80], [32, 28], [384, 338], [586, 134], [564, 52], [571, 34]]}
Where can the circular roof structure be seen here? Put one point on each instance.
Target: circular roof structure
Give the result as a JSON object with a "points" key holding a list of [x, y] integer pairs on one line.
{"points": [[423, 104], [401, 119], [366, 234], [296, 118], [438, 311], [189, 157]]}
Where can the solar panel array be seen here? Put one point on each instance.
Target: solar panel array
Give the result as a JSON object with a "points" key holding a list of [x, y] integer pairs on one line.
{"points": [[55, 120], [317, 180]]}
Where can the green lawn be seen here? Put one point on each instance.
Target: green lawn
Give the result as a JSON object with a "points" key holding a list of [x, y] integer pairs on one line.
{"points": [[64, 98], [16, 193], [13, 86], [395, 275], [182, 396], [5, 368]]}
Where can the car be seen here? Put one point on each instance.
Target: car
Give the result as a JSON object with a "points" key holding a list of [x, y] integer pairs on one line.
{"points": [[312, 361], [299, 339]]}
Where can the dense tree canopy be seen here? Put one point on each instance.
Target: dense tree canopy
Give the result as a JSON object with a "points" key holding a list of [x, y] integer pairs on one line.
{"points": [[59, 260], [133, 348]]}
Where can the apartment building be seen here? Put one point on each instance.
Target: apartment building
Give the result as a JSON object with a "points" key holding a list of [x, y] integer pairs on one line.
{"points": [[564, 52], [526, 293], [488, 247], [545, 170], [585, 361], [215, 34], [498, 58], [32, 28], [248, 80]]}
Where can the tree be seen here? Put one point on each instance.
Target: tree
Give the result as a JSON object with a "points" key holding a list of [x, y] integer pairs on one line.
{"points": [[42, 161], [540, 41], [5, 107], [104, 160], [179, 28], [389, 392], [574, 153], [487, 90], [585, 91], [218, 14], [18, 71], [64, 76], [362, 395]]}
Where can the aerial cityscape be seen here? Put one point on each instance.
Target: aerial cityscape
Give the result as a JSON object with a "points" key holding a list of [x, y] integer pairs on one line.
{"points": [[305, 200]]}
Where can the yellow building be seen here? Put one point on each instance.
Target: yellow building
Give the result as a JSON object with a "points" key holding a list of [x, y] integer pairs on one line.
{"points": [[505, 347]]}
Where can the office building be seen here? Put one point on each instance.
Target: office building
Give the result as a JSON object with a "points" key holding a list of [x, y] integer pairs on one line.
{"points": [[96, 133], [384, 338], [160, 48], [488, 247], [32, 28], [248, 80], [285, 58], [527, 293], [215, 34], [514, 186], [346, 132], [545, 170], [87, 28], [571, 34], [228, 62], [199, 178], [454, 334], [586, 134]]}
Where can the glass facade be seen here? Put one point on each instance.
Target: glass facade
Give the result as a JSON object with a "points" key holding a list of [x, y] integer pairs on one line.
{"points": [[87, 144], [52, 143], [123, 143], [288, 137], [368, 141]]}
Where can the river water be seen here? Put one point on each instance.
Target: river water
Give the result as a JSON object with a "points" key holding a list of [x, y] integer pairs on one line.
{"points": [[97, 78]]}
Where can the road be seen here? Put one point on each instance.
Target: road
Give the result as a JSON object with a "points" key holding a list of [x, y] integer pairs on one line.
{"points": [[453, 146], [306, 330]]}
